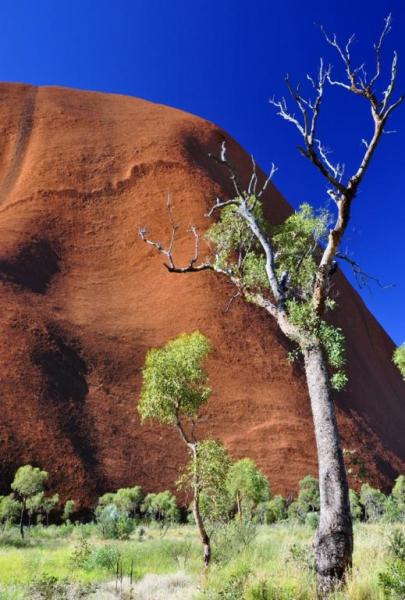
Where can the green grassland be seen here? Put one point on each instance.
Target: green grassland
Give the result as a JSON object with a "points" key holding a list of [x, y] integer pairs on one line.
{"points": [[256, 563]]}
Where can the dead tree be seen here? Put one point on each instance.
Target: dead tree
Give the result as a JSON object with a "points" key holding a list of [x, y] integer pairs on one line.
{"points": [[334, 541]]}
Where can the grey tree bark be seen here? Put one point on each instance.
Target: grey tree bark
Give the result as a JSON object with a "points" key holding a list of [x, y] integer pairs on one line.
{"points": [[334, 541]]}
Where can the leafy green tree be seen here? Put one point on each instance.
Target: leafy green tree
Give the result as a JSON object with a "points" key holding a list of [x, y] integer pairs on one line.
{"points": [[129, 500], [399, 359], [308, 495], [288, 272], [247, 486], [28, 481], [68, 510], [212, 466], [373, 501], [35, 505], [174, 389], [112, 523], [161, 507], [105, 500], [9, 510], [49, 504]]}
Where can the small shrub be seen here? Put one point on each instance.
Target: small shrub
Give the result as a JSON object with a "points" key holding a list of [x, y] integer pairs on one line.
{"points": [[81, 554], [392, 581], [232, 589], [396, 544], [113, 524], [103, 557], [229, 539], [312, 520]]}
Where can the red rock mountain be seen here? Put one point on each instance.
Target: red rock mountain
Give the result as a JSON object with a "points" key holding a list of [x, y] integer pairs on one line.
{"points": [[82, 300]]}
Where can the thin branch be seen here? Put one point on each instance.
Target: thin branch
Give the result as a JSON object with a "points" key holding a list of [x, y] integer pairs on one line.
{"points": [[223, 160], [362, 278], [231, 301], [192, 266]]}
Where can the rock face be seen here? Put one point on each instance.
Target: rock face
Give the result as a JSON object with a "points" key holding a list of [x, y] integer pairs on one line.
{"points": [[83, 299]]}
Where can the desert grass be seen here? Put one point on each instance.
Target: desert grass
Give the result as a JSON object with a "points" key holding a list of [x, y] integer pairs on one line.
{"points": [[276, 564]]}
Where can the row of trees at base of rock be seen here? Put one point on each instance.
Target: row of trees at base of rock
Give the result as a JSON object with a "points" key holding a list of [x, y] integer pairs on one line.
{"points": [[28, 500], [241, 491]]}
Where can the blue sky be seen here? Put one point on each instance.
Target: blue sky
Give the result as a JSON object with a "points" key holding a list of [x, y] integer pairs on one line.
{"points": [[223, 60]]}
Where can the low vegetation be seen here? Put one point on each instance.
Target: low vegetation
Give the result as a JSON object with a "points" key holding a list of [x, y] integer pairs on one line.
{"points": [[145, 546]]}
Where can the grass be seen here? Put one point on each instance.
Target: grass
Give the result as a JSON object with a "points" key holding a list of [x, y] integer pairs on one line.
{"points": [[278, 560]]}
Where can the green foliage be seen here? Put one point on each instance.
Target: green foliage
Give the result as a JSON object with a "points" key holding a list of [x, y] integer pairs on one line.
{"points": [[312, 520], [174, 381], [247, 485], [68, 510], [399, 359], [296, 244], [331, 338], [355, 505], [28, 481], [295, 513], [392, 581], [209, 471], [272, 511], [81, 553], [398, 493], [9, 509], [232, 589], [102, 557], [35, 504], [114, 524], [397, 544], [373, 501], [129, 500], [161, 507], [236, 247], [308, 495], [232, 538], [49, 504]]}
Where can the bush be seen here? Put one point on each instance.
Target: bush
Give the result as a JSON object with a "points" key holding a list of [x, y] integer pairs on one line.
{"points": [[373, 501], [230, 539], [397, 544], [81, 553], [232, 589], [113, 524], [392, 580], [295, 513], [308, 496], [355, 506], [312, 520], [103, 557], [272, 511]]}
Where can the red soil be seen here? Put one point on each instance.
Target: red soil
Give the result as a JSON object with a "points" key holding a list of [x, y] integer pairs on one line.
{"points": [[83, 299]]}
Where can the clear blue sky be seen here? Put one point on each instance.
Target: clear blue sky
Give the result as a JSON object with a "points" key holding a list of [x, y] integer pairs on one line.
{"points": [[223, 60]]}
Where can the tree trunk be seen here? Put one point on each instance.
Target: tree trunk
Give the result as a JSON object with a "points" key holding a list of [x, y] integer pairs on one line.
{"points": [[22, 520], [334, 540], [238, 504], [205, 540]]}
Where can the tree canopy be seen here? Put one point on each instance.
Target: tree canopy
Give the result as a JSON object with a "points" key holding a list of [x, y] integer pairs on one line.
{"points": [[174, 381]]}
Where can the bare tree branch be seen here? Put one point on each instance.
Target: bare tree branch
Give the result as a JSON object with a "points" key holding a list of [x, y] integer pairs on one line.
{"points": [[381, 107], [192, 266], [362, 278]]}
